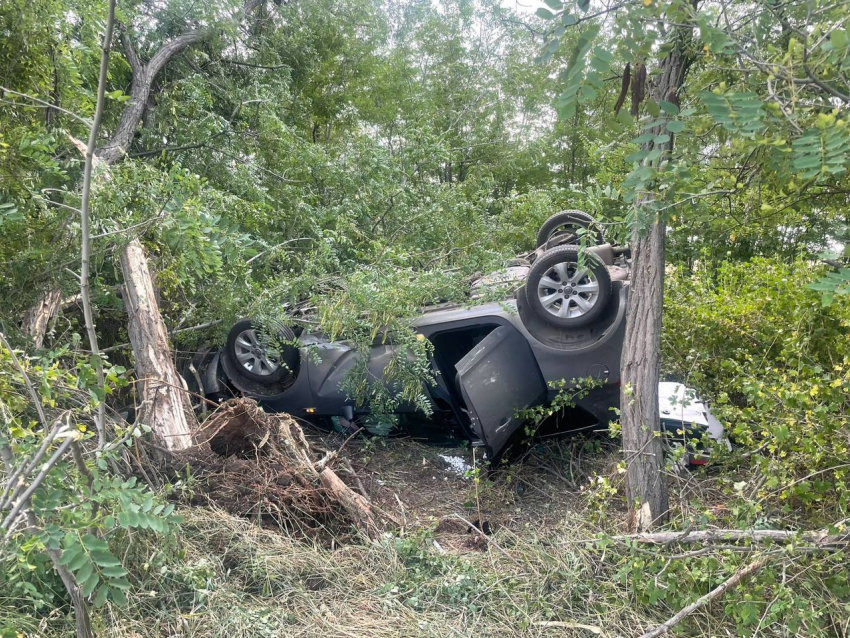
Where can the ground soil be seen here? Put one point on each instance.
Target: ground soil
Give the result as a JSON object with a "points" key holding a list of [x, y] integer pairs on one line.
{"points": [[430, 487]]}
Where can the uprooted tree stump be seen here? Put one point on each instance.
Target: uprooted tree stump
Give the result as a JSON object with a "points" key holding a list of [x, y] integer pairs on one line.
{"points": [[261, 465]]}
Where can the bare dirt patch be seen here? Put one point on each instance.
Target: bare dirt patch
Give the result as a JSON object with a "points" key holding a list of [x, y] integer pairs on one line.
{"points": [[434, 487]]}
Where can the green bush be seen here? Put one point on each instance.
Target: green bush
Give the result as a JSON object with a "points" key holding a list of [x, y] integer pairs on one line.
{"points": [[776, 365]]}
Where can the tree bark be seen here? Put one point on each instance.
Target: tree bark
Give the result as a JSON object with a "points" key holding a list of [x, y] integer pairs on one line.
{"points": [[143, 76], [356, 505], [646, 486], [165, 403], [37, 318], [643, 447]]}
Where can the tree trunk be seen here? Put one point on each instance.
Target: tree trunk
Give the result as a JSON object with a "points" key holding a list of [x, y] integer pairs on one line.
{"points": [[643, 447], [37, 318], [646, 486], [165, 402]]}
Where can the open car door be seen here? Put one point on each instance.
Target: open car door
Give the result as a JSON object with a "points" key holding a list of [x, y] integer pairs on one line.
{"points": [[498, 378]]}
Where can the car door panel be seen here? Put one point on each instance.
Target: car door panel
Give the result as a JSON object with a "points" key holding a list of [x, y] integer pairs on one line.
{"points": [[498, 378]]}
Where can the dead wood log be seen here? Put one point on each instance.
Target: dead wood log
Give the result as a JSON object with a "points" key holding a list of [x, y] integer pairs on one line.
{"points": [[38, 317]]}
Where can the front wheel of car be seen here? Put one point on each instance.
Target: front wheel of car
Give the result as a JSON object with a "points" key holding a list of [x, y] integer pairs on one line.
{"points": [[566, 291], [264, 354]]}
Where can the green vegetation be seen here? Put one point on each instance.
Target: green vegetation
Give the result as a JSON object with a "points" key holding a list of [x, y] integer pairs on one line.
{"points": [[353, 161]]}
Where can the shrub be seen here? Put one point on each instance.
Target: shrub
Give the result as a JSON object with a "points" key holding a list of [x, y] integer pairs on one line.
{"points": [[776, 364]]}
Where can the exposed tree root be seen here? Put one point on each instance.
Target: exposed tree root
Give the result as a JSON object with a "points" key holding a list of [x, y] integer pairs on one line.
{"points": [[261, 466]]}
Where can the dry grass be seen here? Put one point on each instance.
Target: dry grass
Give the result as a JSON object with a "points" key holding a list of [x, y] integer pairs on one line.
{"points": [[225, 577]]}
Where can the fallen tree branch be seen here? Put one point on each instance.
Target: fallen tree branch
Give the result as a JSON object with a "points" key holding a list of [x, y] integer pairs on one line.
{"points": [[819, 538], [721, 589]]}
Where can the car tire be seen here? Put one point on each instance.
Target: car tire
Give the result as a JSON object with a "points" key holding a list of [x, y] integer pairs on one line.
{"points": [[566, 220], [249, 355], [562, 294]]}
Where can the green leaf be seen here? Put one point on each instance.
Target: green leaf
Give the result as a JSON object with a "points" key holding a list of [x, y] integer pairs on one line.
{"points": [[128, 519], [69, 554], [555, 5], [544, 13], [114, 571], [653, 155], [84, 572], [118, 596], [636, 156], [79, 560], [668, 107], [100, 597], [88, 586], [92, 542], [653, 108], [675, 126], [104, 558], [121, 583]]}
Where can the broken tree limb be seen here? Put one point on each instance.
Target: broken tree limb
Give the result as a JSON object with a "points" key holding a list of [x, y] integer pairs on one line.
{"points": [[38, 317], [820, 538], [721, 589], [253, 463], [165, 406], [356, 505]]}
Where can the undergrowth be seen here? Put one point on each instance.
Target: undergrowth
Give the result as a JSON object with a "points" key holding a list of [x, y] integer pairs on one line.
{"points": [[222, 576]]}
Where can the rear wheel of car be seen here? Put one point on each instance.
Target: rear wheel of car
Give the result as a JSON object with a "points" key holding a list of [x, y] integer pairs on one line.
{"points": [[566, 228], [265, 354], [566, 293]]}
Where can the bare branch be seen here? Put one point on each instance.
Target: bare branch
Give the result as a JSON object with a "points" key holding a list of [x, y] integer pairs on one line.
{"points": [[721, 589], [46, 105], [819, 538], [129, 49], [85, 239]]}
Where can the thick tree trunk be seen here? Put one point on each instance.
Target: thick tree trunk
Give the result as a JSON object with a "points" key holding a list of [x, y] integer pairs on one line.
{"points": [[643, 447], [646, 486], [165, 405], [165, 402]]}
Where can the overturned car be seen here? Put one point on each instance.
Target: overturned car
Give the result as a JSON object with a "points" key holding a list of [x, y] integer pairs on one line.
{"points": [[563, 319]]}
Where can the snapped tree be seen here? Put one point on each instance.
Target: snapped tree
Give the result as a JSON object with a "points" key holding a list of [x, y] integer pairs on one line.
{"points": [[165, 405]]}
